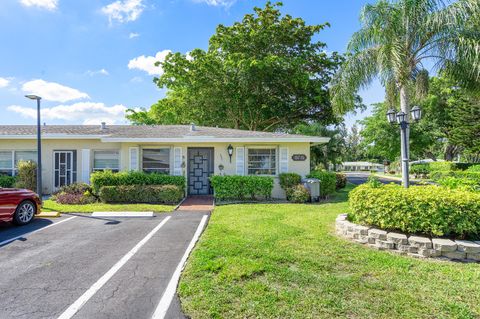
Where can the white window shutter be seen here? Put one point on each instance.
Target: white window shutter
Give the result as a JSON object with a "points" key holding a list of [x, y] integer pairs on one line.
{"points": [[240, 160], [283, 164], [85, 166], [177, 161], [133, 156]]}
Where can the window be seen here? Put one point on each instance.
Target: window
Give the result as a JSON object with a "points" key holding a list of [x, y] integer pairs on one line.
{"points": [[262, 161], [106, 160], [9, 160], [156, 160]]}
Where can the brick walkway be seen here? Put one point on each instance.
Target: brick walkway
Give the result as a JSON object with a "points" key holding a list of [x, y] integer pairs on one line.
{"points": [[197, 203]]}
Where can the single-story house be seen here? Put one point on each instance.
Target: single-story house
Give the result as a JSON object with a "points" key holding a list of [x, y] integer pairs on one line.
{"points": [[360, 166], [71, 153]]}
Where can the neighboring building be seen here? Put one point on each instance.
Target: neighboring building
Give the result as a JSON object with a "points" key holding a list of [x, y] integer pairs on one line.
{"points": [[71, 153], [360, 166]]}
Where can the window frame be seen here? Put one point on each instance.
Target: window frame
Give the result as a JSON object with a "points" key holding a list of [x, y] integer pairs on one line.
{"points": [[261, 147], [94, 169], [168, 171], [13, 169]]}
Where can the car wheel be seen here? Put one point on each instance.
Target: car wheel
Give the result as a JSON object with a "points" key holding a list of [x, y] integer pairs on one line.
{"points": [[24, 213]]}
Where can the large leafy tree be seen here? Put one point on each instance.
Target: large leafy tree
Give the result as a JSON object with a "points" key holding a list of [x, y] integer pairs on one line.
{"points": [[263, 73], [399, 38]]}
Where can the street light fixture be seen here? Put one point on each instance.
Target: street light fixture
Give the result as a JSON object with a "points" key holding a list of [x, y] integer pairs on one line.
{"points": [[39, 145], [402, 120]]}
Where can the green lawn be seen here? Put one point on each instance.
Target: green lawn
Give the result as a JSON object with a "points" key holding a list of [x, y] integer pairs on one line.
{"points": [[285, 261], [50, 205]]}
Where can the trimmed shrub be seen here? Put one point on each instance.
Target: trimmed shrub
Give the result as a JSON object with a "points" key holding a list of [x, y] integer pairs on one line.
{"points": [[437, 175], [459, 183], [74, 194], [27, 175], [431, 210], [165, 194], [328, 182], [288, 180], [341, 181], [235, 187], [108, 178], [420, 169], [298, 194], [474, 168], [7, 181]]}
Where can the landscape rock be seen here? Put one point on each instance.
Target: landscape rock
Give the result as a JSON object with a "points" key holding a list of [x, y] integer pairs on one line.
{"points": [[468, 246], [475, 257], [457, 255], [444, 245], [420, 242], [397, 238], [377, 233]]}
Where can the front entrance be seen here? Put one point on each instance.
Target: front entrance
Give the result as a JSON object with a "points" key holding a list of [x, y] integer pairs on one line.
{"points": [[64, 168], [200, 168]]}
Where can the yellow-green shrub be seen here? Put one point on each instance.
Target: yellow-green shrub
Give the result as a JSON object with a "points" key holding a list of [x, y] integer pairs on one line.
{"points": [[431, 210], [235, 187]]}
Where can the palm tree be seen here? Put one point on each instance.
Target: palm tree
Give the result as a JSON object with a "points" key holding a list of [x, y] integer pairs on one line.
{"points": [[399, 39]]}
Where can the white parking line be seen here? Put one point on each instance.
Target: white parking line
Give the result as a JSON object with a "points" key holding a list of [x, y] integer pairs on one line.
{"points": [[169, 293], [35, 231], [78, 304]]}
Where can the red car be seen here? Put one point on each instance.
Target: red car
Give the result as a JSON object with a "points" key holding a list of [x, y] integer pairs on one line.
{"points": [[18, 206]]}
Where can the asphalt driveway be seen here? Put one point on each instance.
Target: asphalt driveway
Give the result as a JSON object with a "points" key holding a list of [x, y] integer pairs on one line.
{"points": [[79, 266]]}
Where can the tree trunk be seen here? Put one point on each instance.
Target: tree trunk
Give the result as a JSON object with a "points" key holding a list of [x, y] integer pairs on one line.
{"points": [[405, 139]]}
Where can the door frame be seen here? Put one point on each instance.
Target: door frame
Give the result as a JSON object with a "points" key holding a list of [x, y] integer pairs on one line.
{"points": [[54, 170], [212, 159]]}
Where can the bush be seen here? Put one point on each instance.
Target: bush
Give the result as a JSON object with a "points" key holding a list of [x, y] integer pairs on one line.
{"points": [[27, 175], [474, 168], [108, 178], [341, 181], [74, 194], [420, 169], [298, 194], [431, 210], [459, 183], [165, 194], [237, 187], [289, 180], [7, 181], [328, 182], [437, 175]]}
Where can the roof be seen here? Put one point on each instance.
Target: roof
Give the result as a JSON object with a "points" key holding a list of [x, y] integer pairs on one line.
{"points": [[361, 164], [151, 133]]}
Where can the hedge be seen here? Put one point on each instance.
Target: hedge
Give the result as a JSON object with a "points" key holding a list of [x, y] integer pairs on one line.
{"points": [[165, 194], [437, 175], [7, 181], [328, 182], [430, 210], [420, 169], [288, 180], [108, 178], [237, 187]]}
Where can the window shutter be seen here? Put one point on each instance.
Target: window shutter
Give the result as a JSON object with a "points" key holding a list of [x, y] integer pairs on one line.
{"points": [[177, 161], [240, 160], [133, 155], [86, 166], [283, 163]]}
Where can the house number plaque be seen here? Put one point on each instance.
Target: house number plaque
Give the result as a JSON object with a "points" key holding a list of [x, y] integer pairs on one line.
{"points": [[299, 157]]}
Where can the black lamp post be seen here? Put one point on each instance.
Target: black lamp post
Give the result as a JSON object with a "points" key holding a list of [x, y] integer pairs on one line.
{"points": [[230, 151], [39, 145], [401, 119]]}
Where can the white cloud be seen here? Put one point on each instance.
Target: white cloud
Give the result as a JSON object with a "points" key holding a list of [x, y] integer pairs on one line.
{"points": [[133, 35], [4, 82], [216, 3], [52, 91], [43, 4], [85, 112], [97, 72], [123, 11], [147, 63]]}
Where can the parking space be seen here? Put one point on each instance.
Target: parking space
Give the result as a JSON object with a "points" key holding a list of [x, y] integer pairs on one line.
{"points": [[85, 267]]}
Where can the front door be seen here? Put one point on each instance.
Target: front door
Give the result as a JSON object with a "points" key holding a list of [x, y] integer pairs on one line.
{"points": [[63, 169], [200, 168]]}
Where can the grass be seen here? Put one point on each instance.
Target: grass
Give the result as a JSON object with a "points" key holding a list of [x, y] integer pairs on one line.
{"points": [[50, 205], [285, 261]]}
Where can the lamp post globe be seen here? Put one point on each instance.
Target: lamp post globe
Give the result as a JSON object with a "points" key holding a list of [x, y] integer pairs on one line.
{"points": [[391, 116], [416, 113], [401, 117]]}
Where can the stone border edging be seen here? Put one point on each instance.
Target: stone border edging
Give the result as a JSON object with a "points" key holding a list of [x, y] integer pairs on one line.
{"points": [[415, 246]]}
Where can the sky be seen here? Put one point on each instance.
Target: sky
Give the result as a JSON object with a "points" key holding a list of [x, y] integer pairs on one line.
{"points": [[91, 60]]}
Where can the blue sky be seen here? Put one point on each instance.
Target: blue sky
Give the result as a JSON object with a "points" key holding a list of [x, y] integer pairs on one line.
{"points": [[90, 60]]}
